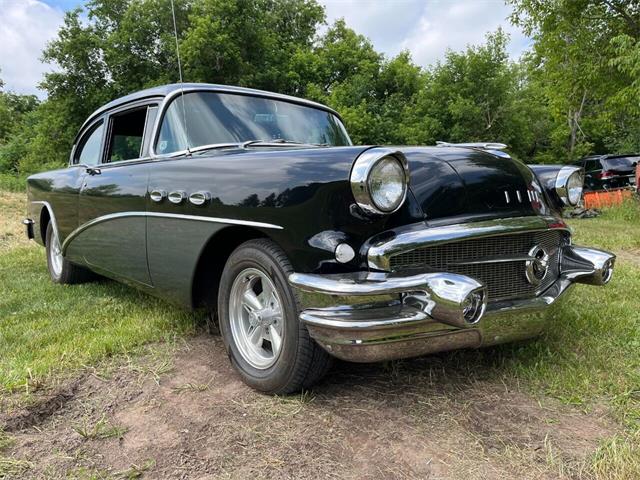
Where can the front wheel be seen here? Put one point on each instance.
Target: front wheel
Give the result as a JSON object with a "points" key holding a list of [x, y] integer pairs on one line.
{"points": [[258, 311], [60, 269]]}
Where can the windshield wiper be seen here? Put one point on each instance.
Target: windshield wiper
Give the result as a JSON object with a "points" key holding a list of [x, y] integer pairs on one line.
{"points": [[214, 146], [277, 142]]}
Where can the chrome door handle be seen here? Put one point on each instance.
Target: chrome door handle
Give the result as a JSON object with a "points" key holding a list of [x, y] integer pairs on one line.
{"points": [[93, 171], [157, 195]]}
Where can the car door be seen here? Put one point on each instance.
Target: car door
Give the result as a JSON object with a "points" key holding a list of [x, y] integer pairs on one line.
{"points": [[111, 207]]}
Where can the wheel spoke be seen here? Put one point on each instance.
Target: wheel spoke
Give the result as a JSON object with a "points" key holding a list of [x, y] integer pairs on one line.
{"points": [[267, 296], [256, 335], [256, 320], [276, 340], [251, 299]]}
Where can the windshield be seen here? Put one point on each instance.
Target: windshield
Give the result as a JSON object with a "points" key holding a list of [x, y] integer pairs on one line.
{"points": [[621, 163], [218, 118]]}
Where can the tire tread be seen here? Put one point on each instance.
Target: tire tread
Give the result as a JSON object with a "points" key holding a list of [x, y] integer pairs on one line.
{"points": [[312, 361]]}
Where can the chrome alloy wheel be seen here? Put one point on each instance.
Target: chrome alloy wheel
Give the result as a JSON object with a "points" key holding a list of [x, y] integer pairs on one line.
{"points": [[55, 254], [255, 316]]}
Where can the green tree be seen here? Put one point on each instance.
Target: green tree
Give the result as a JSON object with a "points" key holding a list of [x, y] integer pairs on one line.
{"points": [[14, 111], [580, 61]]}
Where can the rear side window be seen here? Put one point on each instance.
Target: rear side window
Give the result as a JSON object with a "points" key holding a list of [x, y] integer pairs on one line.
{"points": [[621, 163], [592, 165], [126, 134], [88, 151]]}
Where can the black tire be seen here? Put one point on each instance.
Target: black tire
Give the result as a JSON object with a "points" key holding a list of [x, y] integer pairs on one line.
{"points": [[68, 273], [301, 362]]}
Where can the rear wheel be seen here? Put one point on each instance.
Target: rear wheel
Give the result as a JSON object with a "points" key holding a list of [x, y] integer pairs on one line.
{"points": [[261, 330], [60, 269]]}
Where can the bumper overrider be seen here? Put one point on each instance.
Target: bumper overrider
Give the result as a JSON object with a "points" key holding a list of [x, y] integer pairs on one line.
{"points": [[376, 315]]}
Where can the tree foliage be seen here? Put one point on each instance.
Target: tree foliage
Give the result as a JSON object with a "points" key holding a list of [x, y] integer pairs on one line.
{"points": [[585, 62], [576, 91]]}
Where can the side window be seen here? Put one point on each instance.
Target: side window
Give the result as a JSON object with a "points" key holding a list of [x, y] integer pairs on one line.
{"points": [[126, 134], [592, 165], [88, 151]]}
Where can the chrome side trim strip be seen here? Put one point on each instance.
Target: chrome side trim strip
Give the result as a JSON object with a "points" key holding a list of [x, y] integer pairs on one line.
{"points": [[198, 218], [420, 235]]}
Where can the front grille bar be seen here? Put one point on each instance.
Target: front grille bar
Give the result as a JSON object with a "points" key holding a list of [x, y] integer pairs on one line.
{"points": [[498, 261]]}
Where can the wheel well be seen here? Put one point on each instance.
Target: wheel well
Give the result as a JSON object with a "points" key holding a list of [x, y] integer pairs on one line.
{"points": [[45, 218], [204, 291]]}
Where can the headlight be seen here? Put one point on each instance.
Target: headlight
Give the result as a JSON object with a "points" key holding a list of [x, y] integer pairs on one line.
{"points": [[574, 188], [379, 181], [569, 185]]}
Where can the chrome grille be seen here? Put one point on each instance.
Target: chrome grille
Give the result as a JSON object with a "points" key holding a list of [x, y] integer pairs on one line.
{"points": [[504, 279]]}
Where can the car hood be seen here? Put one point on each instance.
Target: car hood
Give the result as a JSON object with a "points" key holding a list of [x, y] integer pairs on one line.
{"points": [[455, 182]]}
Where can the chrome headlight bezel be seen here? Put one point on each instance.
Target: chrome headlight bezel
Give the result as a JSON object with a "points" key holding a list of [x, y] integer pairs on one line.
{"points": [[361, 174], [565, 174]]}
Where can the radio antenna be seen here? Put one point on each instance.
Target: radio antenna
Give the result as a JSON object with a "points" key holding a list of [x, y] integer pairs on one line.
{"points": [[184, 114]]}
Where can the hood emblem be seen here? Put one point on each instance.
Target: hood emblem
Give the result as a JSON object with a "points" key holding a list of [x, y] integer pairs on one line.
{"points": [[537, 266]]}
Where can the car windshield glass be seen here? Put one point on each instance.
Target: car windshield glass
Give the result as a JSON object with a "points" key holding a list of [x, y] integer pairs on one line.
{"points": [[210, 118], [621, 163]]}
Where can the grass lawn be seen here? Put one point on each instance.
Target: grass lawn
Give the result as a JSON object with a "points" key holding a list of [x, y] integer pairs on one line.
{"points": [[589, 358], [47, 330]]}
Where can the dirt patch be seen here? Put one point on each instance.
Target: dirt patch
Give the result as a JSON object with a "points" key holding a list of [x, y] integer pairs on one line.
{"points": [[631, 256], [188, 415], [38, 411], [12, 212]]}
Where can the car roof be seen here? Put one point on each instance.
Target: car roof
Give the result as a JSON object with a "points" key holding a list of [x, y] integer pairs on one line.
{"points": [[165, 90], [608, 155]]}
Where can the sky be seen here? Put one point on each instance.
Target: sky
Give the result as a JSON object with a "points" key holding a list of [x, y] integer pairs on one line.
{"points": [[427, 28]]}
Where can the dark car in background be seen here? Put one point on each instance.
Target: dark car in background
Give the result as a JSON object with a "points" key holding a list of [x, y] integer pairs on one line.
{"points": [[258, 207], [605, 172]]}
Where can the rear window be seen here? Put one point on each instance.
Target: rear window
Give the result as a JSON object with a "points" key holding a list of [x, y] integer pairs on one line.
{"points": [[621, 163]]}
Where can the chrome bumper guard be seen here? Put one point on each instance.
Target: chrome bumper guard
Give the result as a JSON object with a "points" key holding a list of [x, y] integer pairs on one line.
{"points": [[365, 317]]}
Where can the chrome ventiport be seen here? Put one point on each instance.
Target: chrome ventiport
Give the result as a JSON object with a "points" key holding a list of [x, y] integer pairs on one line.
{"points": [[177, 197], [157, 195], [199, 198]]}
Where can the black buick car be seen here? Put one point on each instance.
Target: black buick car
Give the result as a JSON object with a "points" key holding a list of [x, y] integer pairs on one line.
{"points": [[258, 207]]}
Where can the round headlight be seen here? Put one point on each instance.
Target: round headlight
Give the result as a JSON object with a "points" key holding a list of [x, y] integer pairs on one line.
{"points": [[569, 184], [379, 180], [574, 188], [387, 184]]}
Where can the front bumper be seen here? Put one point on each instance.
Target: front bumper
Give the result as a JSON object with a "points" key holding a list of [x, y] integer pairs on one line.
{"points": [[367, 317]]}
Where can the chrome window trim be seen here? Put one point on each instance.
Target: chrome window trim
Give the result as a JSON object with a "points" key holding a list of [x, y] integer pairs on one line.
{"points": [[111, 216], [421, 235], [81, 136], [562, 180], [359, 178], [164, 105]]}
